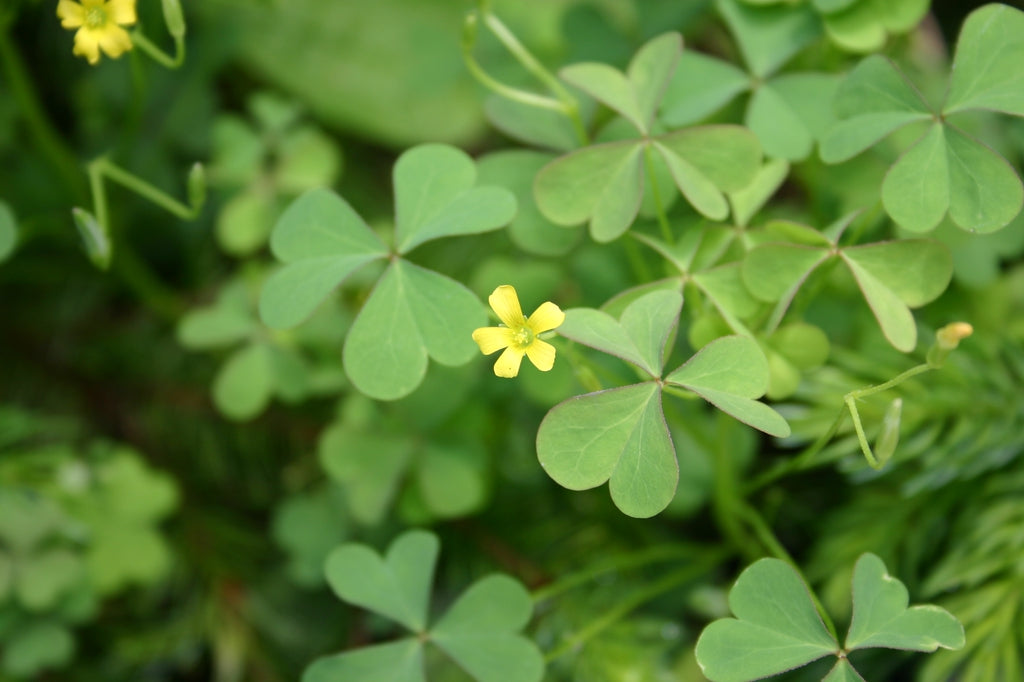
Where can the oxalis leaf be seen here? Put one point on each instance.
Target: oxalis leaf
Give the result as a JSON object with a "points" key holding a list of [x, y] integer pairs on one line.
{"points": [[479, 631], [603, 184], [893, 276], [777, 627], [412, 313], [946, 171], [619, 436]]}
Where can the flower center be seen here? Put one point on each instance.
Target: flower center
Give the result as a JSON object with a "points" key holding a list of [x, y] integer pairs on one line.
{"points": [[96, 17], [523, 337]]}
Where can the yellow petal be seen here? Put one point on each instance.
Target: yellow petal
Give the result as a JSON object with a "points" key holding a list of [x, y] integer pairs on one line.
{"points": [[508, 363], [71, 14], [542, 355], [505, 304], [122, 11], [546, 317], [491, 339], [115, 41], [87, 45]]}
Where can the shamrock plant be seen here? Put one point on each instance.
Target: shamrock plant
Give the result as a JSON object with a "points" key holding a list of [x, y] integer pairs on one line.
{"points": [[619, 435], [412, 312], [947, 170], [787, 112], [777, 626], [603, 185], [479, 631]]}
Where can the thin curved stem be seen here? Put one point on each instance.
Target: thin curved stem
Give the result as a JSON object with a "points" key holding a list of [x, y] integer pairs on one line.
{"points": [[157, 54]]}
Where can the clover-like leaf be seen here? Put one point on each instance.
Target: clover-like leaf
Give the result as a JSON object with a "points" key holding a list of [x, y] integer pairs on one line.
{"points": [[412, 313], [769, 36], [36, 647], [396, 585], [881, 617], [400, 661], [730, 373], [986, 70], [896, 276], [864, 25], [602, 184], [321, 241], [436, 196], [639, 335], [618, 435], [480, 631], [636, 94], [776, 627]]}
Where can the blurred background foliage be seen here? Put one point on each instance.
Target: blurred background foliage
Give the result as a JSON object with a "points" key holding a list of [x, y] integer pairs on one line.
{"points": [[173, 474]]}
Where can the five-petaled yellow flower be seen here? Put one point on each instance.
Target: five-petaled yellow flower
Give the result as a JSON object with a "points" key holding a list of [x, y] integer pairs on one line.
{"points": [[99, 25], [519, 336]]}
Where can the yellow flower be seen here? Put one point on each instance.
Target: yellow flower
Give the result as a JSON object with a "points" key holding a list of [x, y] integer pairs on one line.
{"points": [[519, 336], [99, 25]]}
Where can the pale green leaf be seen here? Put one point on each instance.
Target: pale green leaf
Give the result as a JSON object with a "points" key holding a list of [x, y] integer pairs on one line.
{"points": [[986, 70], [769, 36], [775, 271], [916, 190], [700, 86], [778, 125], [538, 127], [848, 138], [881, 617], [733, 364], [435, 197], [452, 479], [322, 241], [45, 577], [893, 316], [749, 200], [396, 585], [727, 155], [307, 158], [412, 313], [985, 191], [245, 222], [480, 632], [609, 86], [400, 661], [695, 186], [618, 435], [776, 627], [650, 71], [244, 384], [602, 184], [916, 270]]}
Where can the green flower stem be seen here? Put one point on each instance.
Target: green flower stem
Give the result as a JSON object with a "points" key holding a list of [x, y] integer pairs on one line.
{"points": [[40, 129], [636, 261], [565, 102], [621, 562], [668, 582], [764, 533], [104, 168], [666, 229], [851, 398], [158, 55]]}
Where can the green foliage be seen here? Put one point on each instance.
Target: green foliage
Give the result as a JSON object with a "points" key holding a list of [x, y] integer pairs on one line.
{"points": [[777, 625], [946, 170], [479, 631], [297, 358], [322, 241]]}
